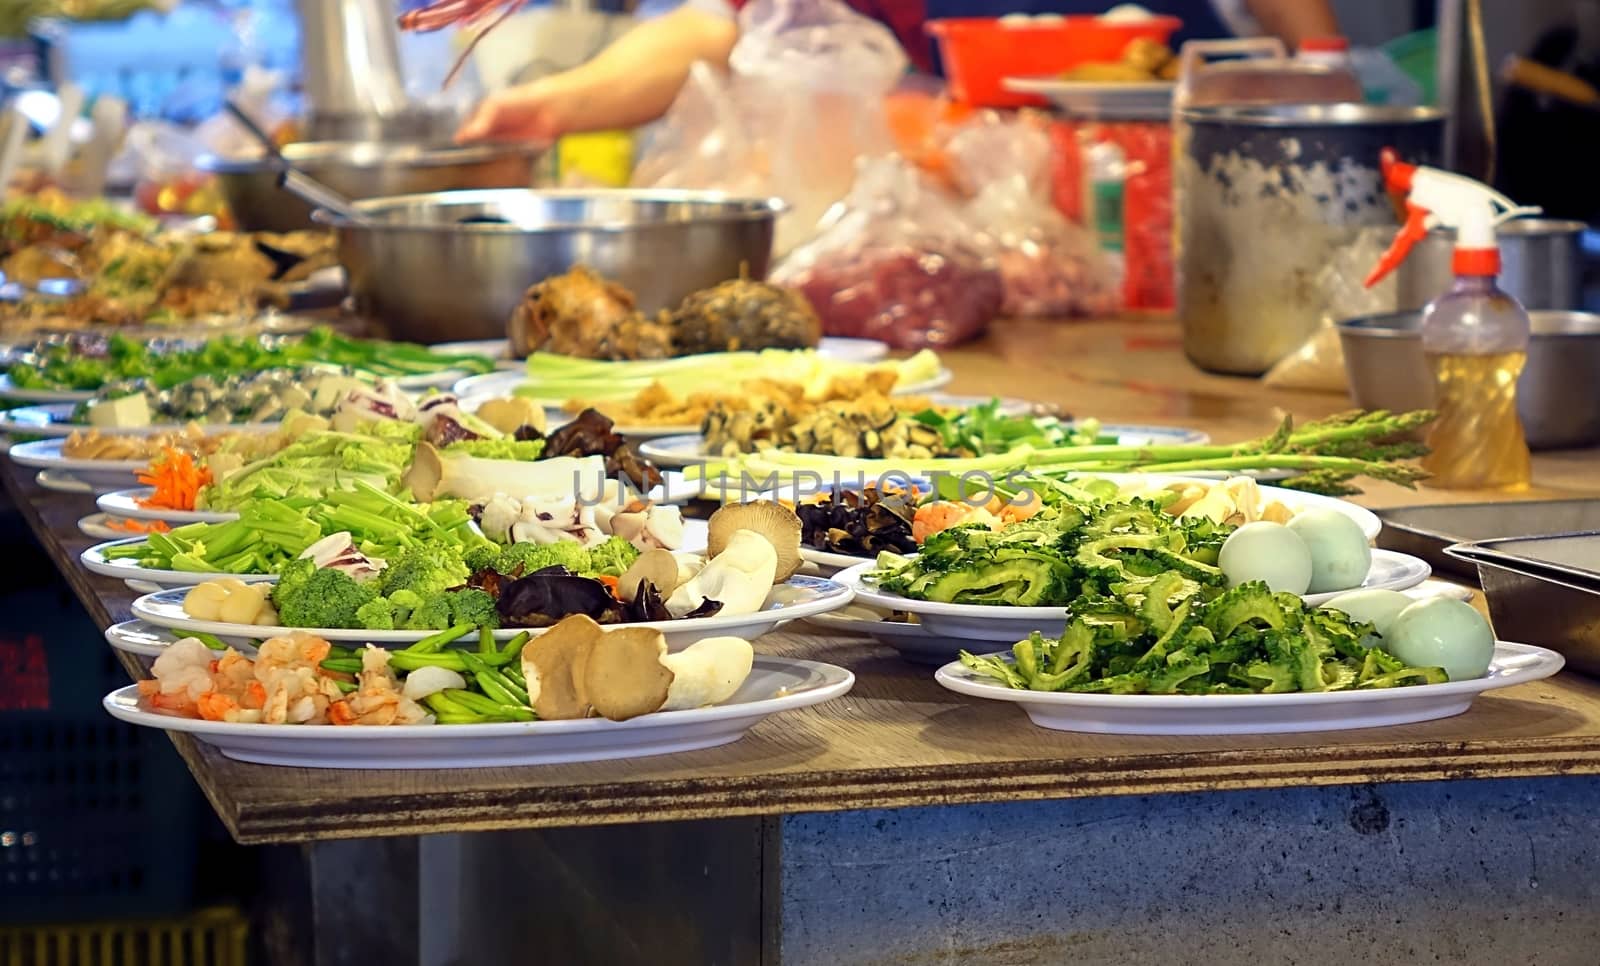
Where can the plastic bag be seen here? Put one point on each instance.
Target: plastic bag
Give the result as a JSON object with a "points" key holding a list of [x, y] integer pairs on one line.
{"points": [[803, 102], [1318, 364], [1049, 267], [891, 263]]}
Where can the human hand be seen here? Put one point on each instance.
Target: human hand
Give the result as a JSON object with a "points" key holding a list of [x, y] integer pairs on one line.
{"points": [[538, 112]]}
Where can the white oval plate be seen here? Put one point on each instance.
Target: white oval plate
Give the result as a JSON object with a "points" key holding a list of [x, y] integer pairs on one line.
{"points": [[8, 391], [988, 622], [94, 527], [695, 537], [834, 347], [61, 482], [506, 382], [775, 684], [1295, 500], [689, 448], [799, 597], [1245, 714], [52, 420], [914, 641], [45, 454], [147, 640], [674, 489]]}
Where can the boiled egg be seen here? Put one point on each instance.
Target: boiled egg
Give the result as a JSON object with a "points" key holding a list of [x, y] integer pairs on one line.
{"points": [[1442, 632], [1268, 552], [1376, 607], [1340, 556]]}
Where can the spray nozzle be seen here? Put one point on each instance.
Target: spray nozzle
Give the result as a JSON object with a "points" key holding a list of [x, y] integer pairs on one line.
{"points": [[1439, 198]]}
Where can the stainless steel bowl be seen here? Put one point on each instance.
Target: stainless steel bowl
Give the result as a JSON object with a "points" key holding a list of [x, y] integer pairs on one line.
{"points": [[449, 266], [362, 169], [1558, 394]]}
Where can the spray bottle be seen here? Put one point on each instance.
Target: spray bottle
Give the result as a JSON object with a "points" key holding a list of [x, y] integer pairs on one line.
{"points": [[1475, 336]]}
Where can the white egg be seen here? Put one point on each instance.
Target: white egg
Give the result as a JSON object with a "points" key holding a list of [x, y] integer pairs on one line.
{"points": [[1443, 632], [1376, 607], [1270, 552], [1340, 556]]}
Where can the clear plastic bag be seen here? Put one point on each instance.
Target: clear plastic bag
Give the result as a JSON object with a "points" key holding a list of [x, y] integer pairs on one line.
{"points": [[804, 101], [1049, 267], [1318, 364], [892, 263]]}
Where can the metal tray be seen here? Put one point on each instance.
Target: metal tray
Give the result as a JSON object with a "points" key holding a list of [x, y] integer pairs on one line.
{"points": [[1425, 531], [1529, 602]]}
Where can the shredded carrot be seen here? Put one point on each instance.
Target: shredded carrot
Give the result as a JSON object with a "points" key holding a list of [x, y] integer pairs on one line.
{"points": [[138, 526], [176, 480]]}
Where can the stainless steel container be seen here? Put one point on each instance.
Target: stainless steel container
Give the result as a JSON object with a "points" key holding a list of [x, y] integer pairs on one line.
{"points": [[1265, 197], [363, 169], [1428, 531], [1558, 395], [1546, 602], [1541, 264], [448, 266]]}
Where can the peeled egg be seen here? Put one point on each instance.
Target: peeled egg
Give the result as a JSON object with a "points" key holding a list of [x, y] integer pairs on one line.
{"points": [[1442, 632], [1376, 607], [1340, 556], [1270, 552]]}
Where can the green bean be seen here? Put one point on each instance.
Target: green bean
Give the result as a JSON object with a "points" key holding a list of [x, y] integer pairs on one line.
{"points": [[491, 706], [345, 687], [434, 642], [486, 641], [515, 645], [408, 661], [212, 641], [494, 683], [442, 703], [342, 665]]}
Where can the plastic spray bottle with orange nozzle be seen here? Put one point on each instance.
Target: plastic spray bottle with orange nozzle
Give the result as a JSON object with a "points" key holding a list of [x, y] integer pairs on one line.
{"points": [[1475, 336]]}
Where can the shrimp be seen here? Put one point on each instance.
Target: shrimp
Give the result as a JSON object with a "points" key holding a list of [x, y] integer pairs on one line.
{"points": [[293, 689], [377, 699], [182, 677]]}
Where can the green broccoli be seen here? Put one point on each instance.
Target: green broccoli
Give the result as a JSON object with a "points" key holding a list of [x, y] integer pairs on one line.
{"points": [[376, 614], [403, 603], [612, 558], [525, 558], [291, 577], [432, 615], [425, 570], [483, 556], [328, 598], [472, 606]]}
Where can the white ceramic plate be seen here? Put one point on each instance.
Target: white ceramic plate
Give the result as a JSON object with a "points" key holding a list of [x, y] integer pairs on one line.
{"points": [[94, 527], [1295, 500], [9, 391], [689, 448], [674, 489], [443, 379], [505, 384], [1007, 625], [914, 641], [54, 420], [148, 640], [775, 684], [1106, 100], [45, 454], [145, 580], [62, 482], [834, 347], [799, 597], [1241, 714], [94, 560]]}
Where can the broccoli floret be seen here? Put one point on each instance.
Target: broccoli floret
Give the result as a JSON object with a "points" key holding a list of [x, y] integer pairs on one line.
{"points": [[403, 603], [483, 556], [432, 615], [613, 558], [425, 570], [328, 598], [472, 606], [376, 614], [525, 558], [291, 577]]}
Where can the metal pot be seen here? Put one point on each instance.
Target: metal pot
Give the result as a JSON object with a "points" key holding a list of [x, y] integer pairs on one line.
{"points": [[1266, 196], [448, 266], [1541, 264], [362, 169], [1558, 396]]}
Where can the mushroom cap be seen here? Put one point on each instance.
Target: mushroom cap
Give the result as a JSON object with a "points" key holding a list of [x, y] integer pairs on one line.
{"points": [[625, 677], [555, 665], [774, 521], [425, 472], [657, 566]]}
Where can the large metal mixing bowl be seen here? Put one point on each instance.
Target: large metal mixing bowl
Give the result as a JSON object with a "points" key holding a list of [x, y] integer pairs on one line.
{"points": [[362, 169], [449, 266], [1558, 396]]}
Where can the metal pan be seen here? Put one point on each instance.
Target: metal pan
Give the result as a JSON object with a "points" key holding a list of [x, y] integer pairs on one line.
{"points": [[1425, 531], [1533, 605]]}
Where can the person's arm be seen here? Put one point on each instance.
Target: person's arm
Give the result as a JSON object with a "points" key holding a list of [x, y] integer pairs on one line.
{"points": [[1294, 20], [631, 82]]}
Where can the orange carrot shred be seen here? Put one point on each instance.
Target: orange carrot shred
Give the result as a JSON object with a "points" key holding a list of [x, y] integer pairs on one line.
{"points": [[138, 526], [175, 480]]}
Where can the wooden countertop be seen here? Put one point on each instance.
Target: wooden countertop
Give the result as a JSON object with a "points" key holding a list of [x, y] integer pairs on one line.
{"points": [[899, 739]]}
